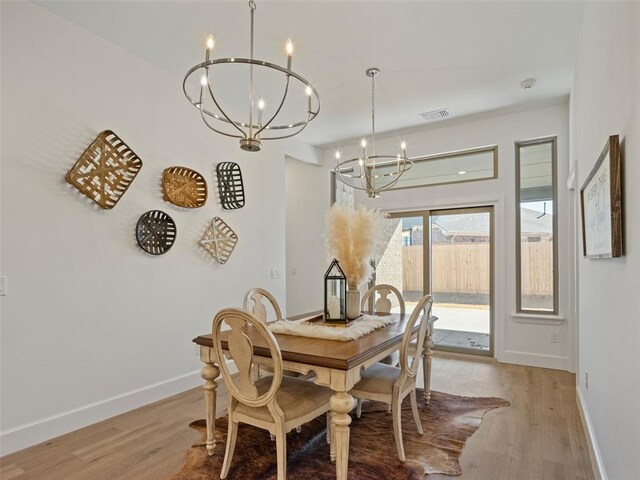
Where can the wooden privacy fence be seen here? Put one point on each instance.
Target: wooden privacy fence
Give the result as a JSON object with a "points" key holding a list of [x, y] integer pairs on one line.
{"points": [[465, 268]]}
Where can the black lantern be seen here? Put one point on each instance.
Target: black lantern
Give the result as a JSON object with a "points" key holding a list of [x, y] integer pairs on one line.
{"points": [[335, 294]]}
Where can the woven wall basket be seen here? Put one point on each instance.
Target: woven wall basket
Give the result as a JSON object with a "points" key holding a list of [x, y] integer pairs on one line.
{"points": [[184, 187], [230, 185], [105, 170], [219, 240], [156, 232]]}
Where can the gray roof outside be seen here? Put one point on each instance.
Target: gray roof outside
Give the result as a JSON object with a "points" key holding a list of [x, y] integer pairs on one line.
{"points": [[477, 223]]}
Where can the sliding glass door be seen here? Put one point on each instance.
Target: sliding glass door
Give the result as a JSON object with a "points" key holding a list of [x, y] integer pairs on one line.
{"points": [[462, 279], [448, 253]]}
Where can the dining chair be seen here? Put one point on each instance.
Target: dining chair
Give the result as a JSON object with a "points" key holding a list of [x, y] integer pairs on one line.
{"points": [[391, 385], [253, 303], [383, 305], [274, 403]]}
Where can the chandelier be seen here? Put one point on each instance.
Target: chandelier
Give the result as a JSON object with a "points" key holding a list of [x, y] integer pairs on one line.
{"points": [[261, 123], [370, 172]]}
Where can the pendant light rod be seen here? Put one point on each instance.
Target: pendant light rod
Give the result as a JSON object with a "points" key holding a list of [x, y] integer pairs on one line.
{"points": [[252, 7]]}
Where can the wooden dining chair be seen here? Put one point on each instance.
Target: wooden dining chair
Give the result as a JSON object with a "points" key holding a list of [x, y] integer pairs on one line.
{"points": [[253, 303], [391, 385], [383, 305], [274, 403]]}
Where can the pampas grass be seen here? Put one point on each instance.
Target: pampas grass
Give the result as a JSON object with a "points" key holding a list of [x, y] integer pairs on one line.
{"points": [[351, 235]]}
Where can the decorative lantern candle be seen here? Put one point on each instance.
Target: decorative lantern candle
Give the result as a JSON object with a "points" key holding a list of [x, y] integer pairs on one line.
{"points": [[335, 294]]}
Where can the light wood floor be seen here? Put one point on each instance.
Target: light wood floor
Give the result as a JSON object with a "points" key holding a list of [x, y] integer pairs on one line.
{"points": [[539, 437]]}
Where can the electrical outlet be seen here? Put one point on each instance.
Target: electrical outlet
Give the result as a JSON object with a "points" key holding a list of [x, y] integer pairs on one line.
{"points": [[275, 273], [3, 286], [586, 380], [555, 337]]}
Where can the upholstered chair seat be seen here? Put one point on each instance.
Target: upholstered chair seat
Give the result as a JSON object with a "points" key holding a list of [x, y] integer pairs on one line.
{"points": [[296, 397]]}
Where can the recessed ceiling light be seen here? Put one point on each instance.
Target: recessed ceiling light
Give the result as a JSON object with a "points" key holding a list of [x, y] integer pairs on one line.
{"points": [[528, 83], [462, 172]]}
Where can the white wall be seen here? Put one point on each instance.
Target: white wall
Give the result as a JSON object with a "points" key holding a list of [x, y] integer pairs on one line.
{"points": [[518, 340], [605, 101], [307, 198], [93, 326]]}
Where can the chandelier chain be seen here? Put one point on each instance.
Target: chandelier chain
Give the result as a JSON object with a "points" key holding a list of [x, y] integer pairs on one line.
{"points": [[252, 5]]}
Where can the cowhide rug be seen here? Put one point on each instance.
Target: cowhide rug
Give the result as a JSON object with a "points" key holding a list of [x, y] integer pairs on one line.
{"points": [[448, 422]]}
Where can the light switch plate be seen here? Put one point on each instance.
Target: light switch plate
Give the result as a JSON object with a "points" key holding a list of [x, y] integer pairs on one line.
{"points": [[3, 286]]}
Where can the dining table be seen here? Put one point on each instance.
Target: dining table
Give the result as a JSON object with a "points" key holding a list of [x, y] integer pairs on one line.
{"points": [[336, 365]]}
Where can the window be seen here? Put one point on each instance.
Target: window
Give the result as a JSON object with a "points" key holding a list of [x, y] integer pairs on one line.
{"points": [[452, 167], [536, 227]]}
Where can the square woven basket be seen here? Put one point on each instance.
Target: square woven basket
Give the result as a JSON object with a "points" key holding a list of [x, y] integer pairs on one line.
{"points": [[105, 170]]}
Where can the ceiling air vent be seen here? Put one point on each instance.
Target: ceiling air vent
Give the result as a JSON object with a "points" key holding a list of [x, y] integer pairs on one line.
{"points": [[434, 115]]}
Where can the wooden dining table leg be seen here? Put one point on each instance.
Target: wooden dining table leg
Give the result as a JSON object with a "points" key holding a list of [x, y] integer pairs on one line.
{"points": [[341, 404], [427, 353], [209, 373]]}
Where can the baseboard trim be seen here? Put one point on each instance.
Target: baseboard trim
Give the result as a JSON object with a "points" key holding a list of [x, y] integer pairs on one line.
{"points": [[465, 356], [535, 360], [29, 434], [594, 451]]}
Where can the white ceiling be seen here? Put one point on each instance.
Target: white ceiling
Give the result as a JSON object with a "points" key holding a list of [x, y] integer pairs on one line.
{"points": [[467, 56]]}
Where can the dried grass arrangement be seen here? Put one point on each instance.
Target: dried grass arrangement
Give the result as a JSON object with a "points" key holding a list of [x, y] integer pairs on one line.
{"points": [[351, 238]]}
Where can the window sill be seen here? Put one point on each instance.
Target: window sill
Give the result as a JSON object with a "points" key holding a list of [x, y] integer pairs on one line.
{"points": [[538, 319]]}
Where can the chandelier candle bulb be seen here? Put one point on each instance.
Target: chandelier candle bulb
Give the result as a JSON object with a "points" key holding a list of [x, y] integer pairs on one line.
{"points": [[203, 80], [210, 44], [260, 109], [308, 93], [289, 49]]}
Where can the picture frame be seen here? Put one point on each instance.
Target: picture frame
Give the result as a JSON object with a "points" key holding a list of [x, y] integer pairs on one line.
{"points": [[601, 205]]}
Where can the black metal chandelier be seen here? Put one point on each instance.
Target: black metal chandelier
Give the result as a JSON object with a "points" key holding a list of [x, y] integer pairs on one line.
{"points": [[259, 126]]}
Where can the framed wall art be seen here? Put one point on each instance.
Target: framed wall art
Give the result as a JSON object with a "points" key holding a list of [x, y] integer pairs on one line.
{"points": [[601, 205]]}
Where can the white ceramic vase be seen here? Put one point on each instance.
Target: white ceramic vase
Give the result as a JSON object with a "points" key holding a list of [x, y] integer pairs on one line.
{"points": [[353, 302]]}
